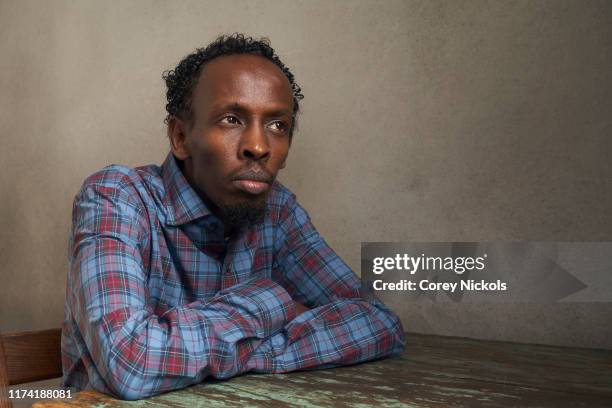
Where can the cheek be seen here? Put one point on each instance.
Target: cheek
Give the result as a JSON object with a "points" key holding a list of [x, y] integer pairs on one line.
{"points": [[281, 151], [212, 158]]}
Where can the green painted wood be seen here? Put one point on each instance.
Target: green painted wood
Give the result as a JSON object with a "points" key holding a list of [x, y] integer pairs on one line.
{"points": [[433, 372]]}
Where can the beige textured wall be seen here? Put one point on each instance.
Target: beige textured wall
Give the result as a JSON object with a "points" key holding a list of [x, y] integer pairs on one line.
{"points": [[423, 121]]}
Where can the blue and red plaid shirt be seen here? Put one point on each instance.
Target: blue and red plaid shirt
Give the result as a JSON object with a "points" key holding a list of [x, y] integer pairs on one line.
{"points": [[158, 299]]}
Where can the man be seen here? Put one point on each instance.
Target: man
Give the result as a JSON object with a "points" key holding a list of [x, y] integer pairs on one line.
{"points": [[207, 266]]}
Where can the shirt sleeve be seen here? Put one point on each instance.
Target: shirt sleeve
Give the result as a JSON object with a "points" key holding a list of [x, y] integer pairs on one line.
{"points": [[136, 352], [345, 325]]}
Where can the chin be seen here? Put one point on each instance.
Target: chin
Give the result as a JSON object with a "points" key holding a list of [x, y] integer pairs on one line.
{"points": [[243, 213]]}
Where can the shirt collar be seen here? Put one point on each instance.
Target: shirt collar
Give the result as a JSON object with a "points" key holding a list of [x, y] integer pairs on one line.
{"points": [[181, 200]]}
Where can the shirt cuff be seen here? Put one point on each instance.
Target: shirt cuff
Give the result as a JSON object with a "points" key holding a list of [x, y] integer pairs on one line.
{"points": [[268, 301]]}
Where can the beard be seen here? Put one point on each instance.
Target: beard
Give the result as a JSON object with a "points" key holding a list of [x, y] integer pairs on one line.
{"points": [[242, 215]]}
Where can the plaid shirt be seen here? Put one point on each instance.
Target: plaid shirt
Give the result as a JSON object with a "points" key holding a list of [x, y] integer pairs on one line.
{"points": [[157, 299]]}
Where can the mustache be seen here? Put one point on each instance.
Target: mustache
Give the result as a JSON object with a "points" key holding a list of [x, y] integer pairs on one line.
{"points": [[255, 174]]}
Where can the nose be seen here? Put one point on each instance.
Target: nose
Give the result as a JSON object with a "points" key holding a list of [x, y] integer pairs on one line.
{"points": [[254, 143]]}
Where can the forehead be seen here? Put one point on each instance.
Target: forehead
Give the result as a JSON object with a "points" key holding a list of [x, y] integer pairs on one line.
{"points": [[248, 80]]}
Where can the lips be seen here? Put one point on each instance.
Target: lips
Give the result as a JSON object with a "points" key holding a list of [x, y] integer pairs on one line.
{"points": [[253, 182], [252, 186]]}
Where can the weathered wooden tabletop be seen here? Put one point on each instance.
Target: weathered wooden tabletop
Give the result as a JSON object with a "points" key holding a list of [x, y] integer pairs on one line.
{"points": [[434, 372]]}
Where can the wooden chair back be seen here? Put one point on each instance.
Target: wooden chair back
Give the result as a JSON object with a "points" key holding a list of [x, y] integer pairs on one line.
{"points": [[28, 356]]}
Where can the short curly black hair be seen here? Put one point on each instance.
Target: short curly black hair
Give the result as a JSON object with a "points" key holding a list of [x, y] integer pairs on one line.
{"points": [[182, 80]]}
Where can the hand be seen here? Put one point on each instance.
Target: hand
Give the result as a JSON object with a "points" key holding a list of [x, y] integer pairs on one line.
{"points": [[300, 308]]}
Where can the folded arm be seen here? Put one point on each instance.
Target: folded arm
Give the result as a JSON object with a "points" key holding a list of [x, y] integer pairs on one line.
{"points": [[345, 325], [136, 352]]}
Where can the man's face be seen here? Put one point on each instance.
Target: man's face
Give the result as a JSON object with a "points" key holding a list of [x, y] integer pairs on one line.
{"points": [[238, 138]]}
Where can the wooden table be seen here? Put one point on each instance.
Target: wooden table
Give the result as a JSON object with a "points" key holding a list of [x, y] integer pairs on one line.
{"points": [[434, 372]]}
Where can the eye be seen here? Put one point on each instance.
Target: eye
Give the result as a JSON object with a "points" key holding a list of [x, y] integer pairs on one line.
{"points": [[279, 126], [230, 119]]}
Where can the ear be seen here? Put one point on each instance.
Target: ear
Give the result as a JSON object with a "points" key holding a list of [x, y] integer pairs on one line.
{"points": [[177, 133]]}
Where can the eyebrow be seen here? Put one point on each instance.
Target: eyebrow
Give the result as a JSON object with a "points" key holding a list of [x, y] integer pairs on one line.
{"points": [[238, 108]]}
